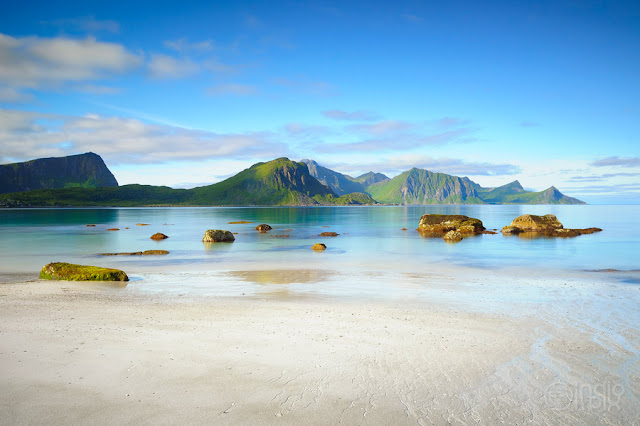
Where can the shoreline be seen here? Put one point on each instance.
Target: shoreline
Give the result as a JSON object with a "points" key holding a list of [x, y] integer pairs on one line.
{"points": [[80, 353]]}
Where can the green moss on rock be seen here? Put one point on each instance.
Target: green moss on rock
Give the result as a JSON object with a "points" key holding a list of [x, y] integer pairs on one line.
{"points": [[71, 272]]}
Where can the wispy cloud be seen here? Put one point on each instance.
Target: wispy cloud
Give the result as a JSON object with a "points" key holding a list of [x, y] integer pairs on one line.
{"points": [[183, 45], [400, 163], [337, 114], [88, 24], [95, 89], [11, 95], [34, 62], [166, 67], [27, 135], [232, 89], [617, 161]]}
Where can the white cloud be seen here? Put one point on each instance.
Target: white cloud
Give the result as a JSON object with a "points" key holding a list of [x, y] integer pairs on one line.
{"points": [[27, 135], [232, 89], [34, 62], [617, 161], [165, 66]]}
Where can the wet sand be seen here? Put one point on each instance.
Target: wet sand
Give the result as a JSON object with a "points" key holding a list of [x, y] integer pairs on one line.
{"points": [[78, 353]]}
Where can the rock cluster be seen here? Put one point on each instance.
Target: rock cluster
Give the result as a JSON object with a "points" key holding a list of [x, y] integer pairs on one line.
{"points": [[441, 225], [547, 225], [218, 236]]}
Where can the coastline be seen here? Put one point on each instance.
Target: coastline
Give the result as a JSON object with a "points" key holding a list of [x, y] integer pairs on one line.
{"points": [[73, 352]]}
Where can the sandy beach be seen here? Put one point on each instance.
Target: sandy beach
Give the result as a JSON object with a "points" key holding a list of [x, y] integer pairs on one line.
{"points": [[75, 353]]}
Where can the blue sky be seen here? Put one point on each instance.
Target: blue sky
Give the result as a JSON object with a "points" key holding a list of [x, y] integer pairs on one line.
{"points": [[186, 93]]}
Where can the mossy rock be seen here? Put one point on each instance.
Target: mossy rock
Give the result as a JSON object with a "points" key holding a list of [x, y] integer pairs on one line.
{"points": [[218, 236], [535, 223], [439, 224], [71, 272], [154, 252], [328, 234], [319, 246]]}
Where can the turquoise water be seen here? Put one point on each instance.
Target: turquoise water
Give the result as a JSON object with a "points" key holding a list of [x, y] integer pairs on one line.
{"points": [[371, 247]]}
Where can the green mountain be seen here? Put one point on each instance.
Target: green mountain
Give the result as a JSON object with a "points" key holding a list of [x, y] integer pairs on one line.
{"points": [[499, 194], [83, 170], [370, 178], [275, 183], [419, 186], [549, 196]]}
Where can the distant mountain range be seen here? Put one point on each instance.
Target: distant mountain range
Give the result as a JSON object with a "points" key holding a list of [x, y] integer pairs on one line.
{"points": [[83, 170], [280, 182], [419, 186]]}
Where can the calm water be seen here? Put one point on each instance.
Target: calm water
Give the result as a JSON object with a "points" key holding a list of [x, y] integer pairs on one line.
{"points": [[371, 242]]}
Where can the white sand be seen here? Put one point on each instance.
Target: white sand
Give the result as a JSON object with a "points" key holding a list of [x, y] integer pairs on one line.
{"points": [[74, 353]]}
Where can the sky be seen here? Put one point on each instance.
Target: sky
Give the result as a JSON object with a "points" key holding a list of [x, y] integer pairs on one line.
{"points": [[186, 94]]}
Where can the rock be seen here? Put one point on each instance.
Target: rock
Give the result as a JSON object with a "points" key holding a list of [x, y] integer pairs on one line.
{"points": [[239, 222], [328, 234], [319, 246], [133, 253], [218, 236], [154, 252], [71, 272], [113, 229], [534, 223], [439, 224], [91, 224], [548, 225], [142, 224], [403, 229], [453, 236], [511, 230], [158, 236], [263, 228]]}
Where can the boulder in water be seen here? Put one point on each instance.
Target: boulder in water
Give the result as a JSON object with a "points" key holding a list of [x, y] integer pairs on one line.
{"points": [[71, 272], [218, 236]]}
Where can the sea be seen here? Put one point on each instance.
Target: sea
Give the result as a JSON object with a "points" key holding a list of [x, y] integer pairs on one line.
{"points": [[372, 257]]}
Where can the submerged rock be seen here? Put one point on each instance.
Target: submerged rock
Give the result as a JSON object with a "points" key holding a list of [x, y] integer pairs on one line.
{"points": [[263, 227], [530, 225], [328, 234], [137, 253], [438, 225], [319, 246], [218, 236], [452, 236], [71, 272], [158, 236]]}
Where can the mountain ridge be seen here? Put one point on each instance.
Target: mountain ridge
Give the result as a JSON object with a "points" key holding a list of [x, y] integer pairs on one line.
{"points": [[86, 170], [282, 182]]}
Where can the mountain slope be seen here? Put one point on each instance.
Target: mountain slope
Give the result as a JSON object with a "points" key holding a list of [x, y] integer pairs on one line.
{"points": [[339, 183], [419, 186], [370, 178], [83, 170], [277, 182], [550, 195], [499, 194]]}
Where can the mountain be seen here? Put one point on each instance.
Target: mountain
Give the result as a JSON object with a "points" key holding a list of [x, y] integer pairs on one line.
{"points": [[83, 170], [550, 195], [275, 183], [501, 193], [339, 183], [419, 186], [342, 184], [370, 178]]}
